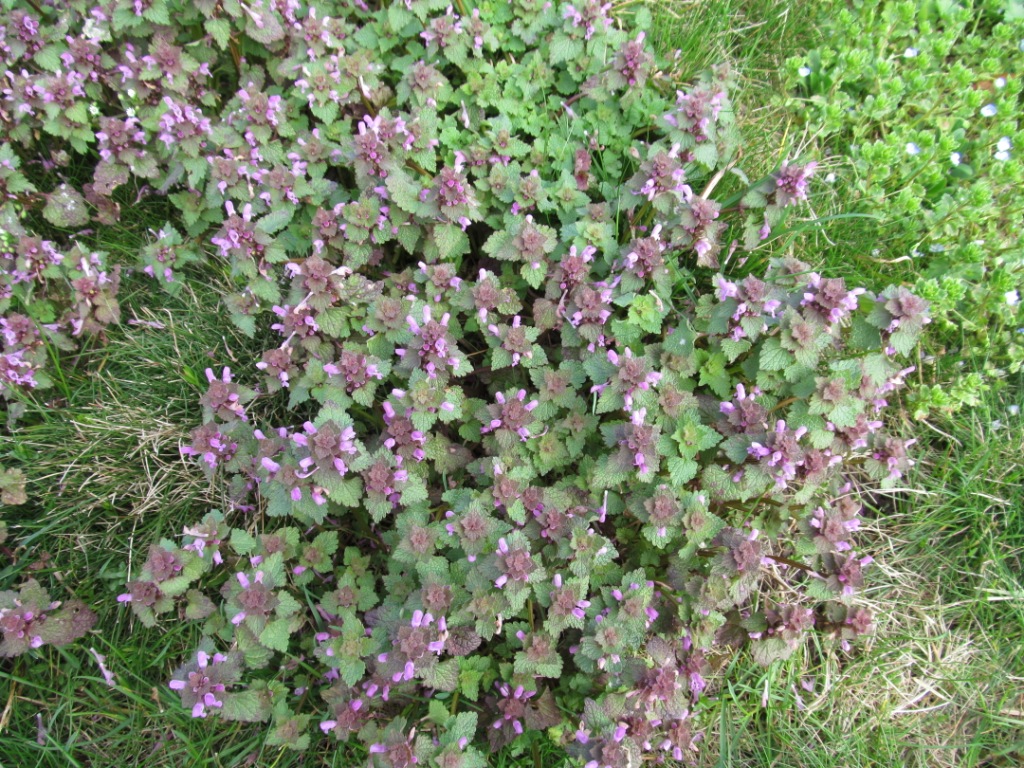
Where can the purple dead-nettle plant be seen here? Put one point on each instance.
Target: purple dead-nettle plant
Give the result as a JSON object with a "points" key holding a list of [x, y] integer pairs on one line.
{"points": [[238, 237], [413, 643], [701, 228], [644, 257], [443, 31], [516, 345], [782, 452], [633, 374], [696, 111], [791, 183], [632, 64], [358, 371], [224, 398], [279, 367], [848, 575], [202, 683], [213, 446], [510, 413], [206, 537], [890, 456], [440, 280], [29, 619], [298, 322], [588, 309], [328, 447], [435, 346], [512, 706], [183, 126], [743, 414], [590, 16], [574, 268], [830, 298], [662, 174], [403, 438]]}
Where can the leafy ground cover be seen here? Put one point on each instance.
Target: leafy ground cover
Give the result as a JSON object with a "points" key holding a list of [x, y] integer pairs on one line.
{"points": [[935, 686]]}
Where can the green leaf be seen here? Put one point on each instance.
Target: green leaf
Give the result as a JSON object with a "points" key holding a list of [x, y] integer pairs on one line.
{"points": [[714, 375], [863, 335], [48, 58], [450, 240], [279, 503], [399, 16], [266, 290], [351, 670], [219, 30], [463, 727], [157, 13], [680, 341], [242, 542], [326, 543], [277, 220], [771, 649], [845, 414], [414, 492], [877, 368], [534, 276], [246, 706], [647, 312], [43, 311], [405, 194], [286, 605], [565, 48], [175, 586], [65, 207], [773, 356], [733, 348], [682, 471], [334, 322], [245, 323], [348, 492], [326, 113], [443, 676], [471, 672], [903, 341], [276, 635], [626, 332]]}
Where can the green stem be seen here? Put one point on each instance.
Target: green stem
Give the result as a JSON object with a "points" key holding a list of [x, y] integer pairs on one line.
{"points": [[418, 168]]}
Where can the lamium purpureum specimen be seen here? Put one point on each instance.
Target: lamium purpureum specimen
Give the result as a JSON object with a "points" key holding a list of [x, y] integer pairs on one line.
{"points": [[513, 447]]}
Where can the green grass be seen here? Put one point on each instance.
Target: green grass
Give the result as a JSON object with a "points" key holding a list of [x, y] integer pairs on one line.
{"points": [[937, 685]]}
